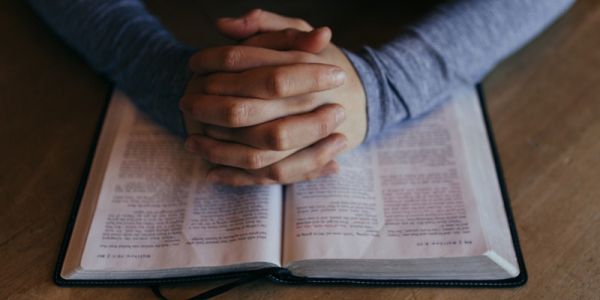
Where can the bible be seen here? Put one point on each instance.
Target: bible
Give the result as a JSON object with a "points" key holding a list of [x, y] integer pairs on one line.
{"points": [[424, 204]]}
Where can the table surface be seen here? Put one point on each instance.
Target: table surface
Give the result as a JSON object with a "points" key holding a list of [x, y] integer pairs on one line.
{"points": [[544, 103]]}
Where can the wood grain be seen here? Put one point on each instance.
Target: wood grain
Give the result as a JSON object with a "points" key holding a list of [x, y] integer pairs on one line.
{"points": [[544, 103]]}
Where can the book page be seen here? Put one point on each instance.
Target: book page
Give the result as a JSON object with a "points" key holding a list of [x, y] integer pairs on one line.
{"points": [[155, 212], [406, 196]]}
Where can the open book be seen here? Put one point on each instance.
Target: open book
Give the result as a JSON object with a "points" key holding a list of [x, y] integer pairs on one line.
{"points": [[421, 205]]}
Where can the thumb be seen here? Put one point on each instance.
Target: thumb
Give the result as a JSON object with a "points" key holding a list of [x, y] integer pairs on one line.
{"points": [[258, 21], [291, 39]]}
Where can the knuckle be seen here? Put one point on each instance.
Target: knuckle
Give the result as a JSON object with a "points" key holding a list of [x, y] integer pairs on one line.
{"points": [[213, 155], [279, 138], [211, 86], [301, 24], [255, 13], [197, 111], [277, 173], [324, 129], [305, 103], [232, 56], [253, 160], [277, 84], [253, 18], [290, 34], [325, 125], [322, 157], [236, 114]]}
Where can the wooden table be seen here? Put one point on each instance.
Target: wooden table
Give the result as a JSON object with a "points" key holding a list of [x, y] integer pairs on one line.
{"points": [[544, 104]]}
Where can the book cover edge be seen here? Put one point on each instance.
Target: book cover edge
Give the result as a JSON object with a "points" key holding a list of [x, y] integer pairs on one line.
{"points": [[280, 275]]}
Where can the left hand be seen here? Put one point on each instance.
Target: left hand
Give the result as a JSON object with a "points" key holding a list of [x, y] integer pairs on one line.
{"points": [[309, 147]]}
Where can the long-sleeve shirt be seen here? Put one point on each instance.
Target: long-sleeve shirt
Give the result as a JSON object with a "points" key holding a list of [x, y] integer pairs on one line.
{"points": [[454, 45]]}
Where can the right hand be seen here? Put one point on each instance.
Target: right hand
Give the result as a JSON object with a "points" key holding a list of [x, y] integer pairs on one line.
{"points": [[249, 109]]}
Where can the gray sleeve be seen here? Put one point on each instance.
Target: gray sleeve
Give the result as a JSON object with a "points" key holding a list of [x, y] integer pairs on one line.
{"points": [[120, 39], [455, 45]]}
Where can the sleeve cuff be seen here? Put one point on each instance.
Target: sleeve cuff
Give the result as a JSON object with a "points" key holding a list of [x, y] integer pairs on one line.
{"points": [[373, 81]]}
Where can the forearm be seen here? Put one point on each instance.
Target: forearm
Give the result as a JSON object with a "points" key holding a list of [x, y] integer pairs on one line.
{"points": [[454, 45], [120, 39]]}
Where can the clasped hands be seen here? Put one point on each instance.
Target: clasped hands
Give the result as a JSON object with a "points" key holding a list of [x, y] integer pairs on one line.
{"points": [[276, 108]]}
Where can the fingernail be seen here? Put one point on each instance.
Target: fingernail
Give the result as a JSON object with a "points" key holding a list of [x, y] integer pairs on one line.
{"points": [[340, 115], [189, 145], [338, 76]]}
